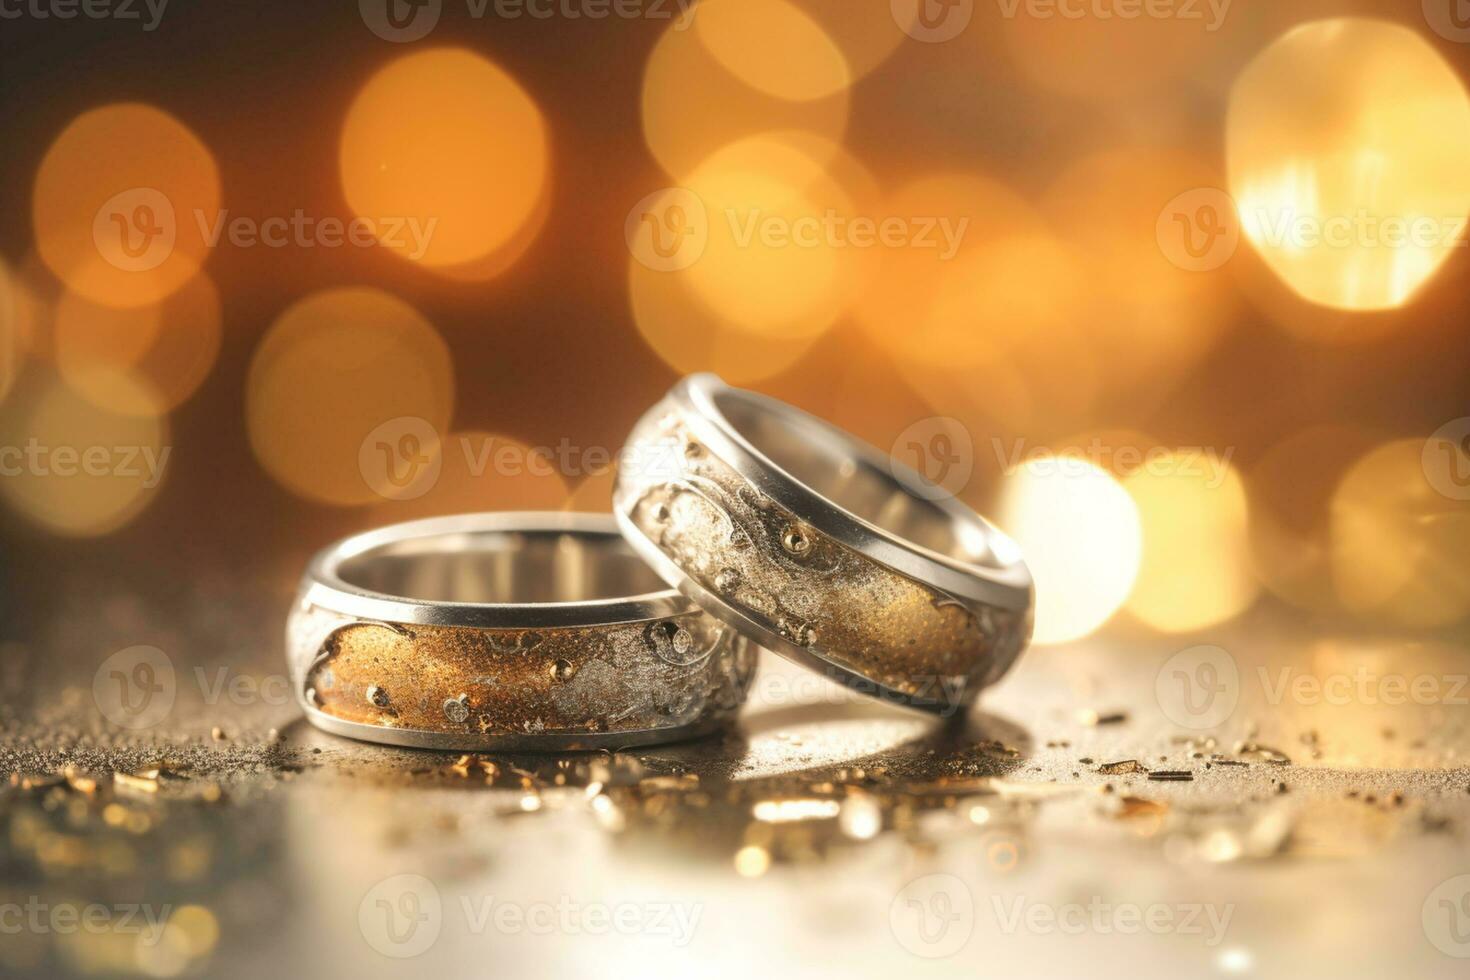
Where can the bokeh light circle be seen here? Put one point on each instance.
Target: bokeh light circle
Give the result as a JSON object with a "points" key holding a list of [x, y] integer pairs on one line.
{"points": [[1346, 142], [334, 367], [774, 47], [688, 337], [77, 469], [937, 291], [126, 232], [692, 105], [1080, 533], [1148, 319], [11, 349], [162, 352], [668, 229], [768, 266], [775, 260], [34, 293], [1400, 548], [447, 156], [866, 33], [1196, 569], [1290, 488]]}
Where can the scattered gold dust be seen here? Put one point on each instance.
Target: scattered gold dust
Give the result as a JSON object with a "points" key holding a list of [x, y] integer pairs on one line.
{"points": [[142, 781], [786, 811]]}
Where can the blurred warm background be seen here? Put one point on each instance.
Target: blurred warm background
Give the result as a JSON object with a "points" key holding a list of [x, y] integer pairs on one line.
{"points": [[257, 237], [1173, 289]]}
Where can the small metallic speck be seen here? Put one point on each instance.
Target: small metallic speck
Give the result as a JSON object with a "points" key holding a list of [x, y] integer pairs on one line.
{"points": [[1091, 718], [795, 540]]}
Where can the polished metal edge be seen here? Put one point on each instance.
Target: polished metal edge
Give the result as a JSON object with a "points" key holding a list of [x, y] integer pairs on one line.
{"points": [[1008, 586], [411, 738], [325, 589]]}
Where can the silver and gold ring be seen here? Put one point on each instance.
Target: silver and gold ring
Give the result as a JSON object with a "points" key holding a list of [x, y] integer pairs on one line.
{"points": [[524, 631], [820, 548]]}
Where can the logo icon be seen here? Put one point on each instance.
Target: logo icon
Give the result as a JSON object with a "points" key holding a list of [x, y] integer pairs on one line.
{"points": [[400, 21], [1198, 687], [401, 459], [1446, 917], [667, 230], [1450, 19], [1446, 459], [135, 687], [933, 458], [933, 916], [401, 916], [1198, 231], [932, 21], [135, 230]]}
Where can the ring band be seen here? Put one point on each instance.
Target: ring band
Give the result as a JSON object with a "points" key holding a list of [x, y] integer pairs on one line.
{"points": [[530, 631], [815, 545]]}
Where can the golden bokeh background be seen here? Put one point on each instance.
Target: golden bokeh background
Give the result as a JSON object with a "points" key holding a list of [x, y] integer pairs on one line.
{"points": [[1190, 289]]}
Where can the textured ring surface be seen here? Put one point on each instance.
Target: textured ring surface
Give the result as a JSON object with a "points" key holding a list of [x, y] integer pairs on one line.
{"points": [[538, 631], [812, 543]]}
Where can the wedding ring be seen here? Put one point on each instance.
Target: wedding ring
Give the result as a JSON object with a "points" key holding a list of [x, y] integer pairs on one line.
{"points": [[515, 631], [820, 548]]}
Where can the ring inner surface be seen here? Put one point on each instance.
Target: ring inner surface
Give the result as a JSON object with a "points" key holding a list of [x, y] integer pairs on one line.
{"points": [[503, 567], [823, 458]]}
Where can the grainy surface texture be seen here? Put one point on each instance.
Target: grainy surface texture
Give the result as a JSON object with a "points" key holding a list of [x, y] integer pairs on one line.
{"points": [[591, 680], [1078, 822]]}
